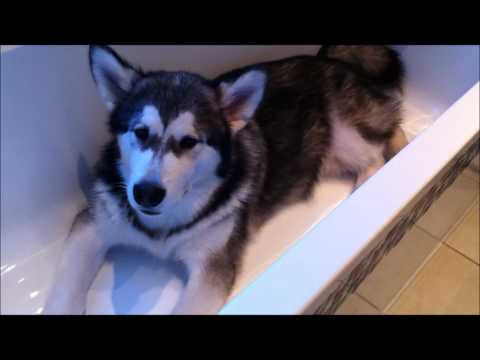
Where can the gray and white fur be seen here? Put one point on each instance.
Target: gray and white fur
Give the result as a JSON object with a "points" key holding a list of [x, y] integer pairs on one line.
{"points": [[194, 166]]}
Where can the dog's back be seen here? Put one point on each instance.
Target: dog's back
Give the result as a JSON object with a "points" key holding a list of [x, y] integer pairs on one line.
{"points": [[330, 114]]}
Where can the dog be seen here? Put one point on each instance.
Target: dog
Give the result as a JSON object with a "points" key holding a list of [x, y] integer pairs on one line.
{"points": [[194, 166]]}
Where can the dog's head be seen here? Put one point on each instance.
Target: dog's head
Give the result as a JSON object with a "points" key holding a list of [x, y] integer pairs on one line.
{"points": [[174, 132]]}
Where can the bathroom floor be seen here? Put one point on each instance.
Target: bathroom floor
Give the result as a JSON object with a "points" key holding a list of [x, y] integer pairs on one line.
{"points": [[435, 268]]}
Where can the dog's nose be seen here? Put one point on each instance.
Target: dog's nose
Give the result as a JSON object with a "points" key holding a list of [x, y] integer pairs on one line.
{"points": [[148, 194]]}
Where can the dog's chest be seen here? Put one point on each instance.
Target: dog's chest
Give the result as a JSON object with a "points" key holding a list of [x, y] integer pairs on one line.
{"points": [[192, 244]]}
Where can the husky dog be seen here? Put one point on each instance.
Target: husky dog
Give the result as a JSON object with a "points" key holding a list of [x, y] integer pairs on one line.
{"points": [[194, 165]]}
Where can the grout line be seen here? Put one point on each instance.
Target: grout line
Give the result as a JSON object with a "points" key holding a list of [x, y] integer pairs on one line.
{"points": [[441, 241], [367, 301], [411, 278], [456, 226], [461, 254], [475, 198], [407, 282], [426, 231], [460, 220], [453, 226]]}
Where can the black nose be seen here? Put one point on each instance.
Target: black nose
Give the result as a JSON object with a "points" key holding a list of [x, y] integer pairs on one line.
{"points": [[148, 194]]}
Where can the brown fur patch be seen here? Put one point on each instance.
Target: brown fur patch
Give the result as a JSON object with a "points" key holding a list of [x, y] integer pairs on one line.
{"points": [[221, 272], [397, 142]]}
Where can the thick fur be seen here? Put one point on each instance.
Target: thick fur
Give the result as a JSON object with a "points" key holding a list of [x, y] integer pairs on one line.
{"points": [[266, 134]]}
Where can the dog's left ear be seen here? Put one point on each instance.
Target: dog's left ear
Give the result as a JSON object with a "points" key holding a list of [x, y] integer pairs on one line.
{"points": [[241, 98], [113, 76]]}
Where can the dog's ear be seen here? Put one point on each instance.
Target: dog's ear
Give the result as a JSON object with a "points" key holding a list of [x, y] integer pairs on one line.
{"points": [[240, 99], [113, 76]]}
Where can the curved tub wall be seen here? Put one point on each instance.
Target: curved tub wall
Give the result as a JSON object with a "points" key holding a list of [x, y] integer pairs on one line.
{"points": [[437, 76]]}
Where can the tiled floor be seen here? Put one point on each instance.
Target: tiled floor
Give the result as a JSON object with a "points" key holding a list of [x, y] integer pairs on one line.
{"points": [[435, 268]]}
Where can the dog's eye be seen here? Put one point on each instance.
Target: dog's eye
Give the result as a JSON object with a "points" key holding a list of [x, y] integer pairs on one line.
{"points": [[141, 133], [188, 142]]}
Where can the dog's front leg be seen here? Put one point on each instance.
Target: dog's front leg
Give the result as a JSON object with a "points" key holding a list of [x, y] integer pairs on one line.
{"points": [[82, 257], [205, 292]]}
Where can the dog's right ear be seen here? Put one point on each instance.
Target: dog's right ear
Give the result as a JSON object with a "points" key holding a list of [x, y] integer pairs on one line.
{"points": [[241, 98], [113, 76]]}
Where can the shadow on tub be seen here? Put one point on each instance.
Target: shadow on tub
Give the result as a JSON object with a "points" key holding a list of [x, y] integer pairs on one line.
{"points": [[133, 282]]}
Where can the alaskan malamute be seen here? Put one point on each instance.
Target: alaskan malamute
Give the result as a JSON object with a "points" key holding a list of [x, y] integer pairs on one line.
{"points": [[195, 165]]}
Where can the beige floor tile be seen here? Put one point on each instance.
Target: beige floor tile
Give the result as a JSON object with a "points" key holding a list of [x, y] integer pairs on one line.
{"points": [[447, 284], [395, 269], [450, 207], [355, 305], [466, 236]]}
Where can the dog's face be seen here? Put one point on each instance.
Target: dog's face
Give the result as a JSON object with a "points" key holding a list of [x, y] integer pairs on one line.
{"points": [[174, 132]]}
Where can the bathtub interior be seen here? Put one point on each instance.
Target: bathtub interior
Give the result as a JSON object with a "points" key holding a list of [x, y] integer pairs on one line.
{"points": [[132, 282]]}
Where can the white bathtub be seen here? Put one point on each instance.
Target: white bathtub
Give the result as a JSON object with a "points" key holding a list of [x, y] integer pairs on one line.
{"points": [[305, 260]]}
